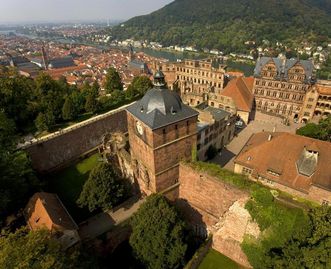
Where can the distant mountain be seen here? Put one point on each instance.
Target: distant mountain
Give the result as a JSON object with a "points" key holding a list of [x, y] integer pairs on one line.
{"points": [[227, 24]]}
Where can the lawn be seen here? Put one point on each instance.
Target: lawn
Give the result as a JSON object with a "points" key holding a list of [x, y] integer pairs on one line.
{"points": [[215, 260], [69, 182]]}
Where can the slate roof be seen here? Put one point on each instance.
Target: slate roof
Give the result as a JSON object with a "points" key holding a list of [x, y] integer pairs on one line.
{"points": [[217, 113], [61, 62], [284, 66], [161, 107], [284, 154]]}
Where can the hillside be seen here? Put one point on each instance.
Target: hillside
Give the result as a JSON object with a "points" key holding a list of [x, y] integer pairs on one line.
{"points": [[226, 25]]}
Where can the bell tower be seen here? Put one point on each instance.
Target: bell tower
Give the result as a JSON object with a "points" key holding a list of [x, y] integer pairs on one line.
{"points": [[162, 132]]}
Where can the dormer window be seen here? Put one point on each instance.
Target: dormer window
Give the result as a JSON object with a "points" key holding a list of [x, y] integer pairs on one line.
{"points": [[173, 110], [307, 162]]}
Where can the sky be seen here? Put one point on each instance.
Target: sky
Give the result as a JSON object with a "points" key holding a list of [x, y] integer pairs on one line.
{"points": [[18, 11]]}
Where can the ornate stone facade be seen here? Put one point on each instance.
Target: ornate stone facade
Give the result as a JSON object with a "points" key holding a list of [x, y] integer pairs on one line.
{"points": [[195, 79], [317, 103], [281, 85]]}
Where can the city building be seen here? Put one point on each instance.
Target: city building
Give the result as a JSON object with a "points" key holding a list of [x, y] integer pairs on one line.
{"points": [[62, 62], [317, 103], [162, 132], [281, 85], [236, 97], [216, 128], [295, 164], [195, 79], [45, 210]]}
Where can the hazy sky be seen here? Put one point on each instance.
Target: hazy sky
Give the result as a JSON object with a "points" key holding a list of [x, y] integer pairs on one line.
{"points": [[68, 10]]}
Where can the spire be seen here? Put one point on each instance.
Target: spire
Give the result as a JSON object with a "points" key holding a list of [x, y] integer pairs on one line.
{"points": [[159, 80]]}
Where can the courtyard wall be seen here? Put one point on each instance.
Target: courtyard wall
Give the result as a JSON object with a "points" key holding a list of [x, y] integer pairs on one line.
{"points": [[63, 147]]}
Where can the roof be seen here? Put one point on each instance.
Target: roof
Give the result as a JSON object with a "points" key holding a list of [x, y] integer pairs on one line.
{"points": [[217, 113], [325, 90], [291, 156], [161, 107], [46, 209], [240, 90], [61, 62], [283, 66]]}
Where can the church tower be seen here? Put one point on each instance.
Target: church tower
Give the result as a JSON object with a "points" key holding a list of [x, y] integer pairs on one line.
{"points": [[162, 132]]}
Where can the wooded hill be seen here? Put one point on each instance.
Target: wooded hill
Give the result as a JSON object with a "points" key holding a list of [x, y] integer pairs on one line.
{"points": [[226, 25]]}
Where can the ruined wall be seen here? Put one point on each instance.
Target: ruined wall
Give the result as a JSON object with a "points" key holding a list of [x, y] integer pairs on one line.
{"points": [[212, 206], [51, 154]]}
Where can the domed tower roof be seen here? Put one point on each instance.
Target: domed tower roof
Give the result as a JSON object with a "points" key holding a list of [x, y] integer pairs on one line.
{"points": [[160, 106]]}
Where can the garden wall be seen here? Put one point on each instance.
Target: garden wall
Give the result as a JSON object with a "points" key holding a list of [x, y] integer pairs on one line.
{"points": [[60, 148]]}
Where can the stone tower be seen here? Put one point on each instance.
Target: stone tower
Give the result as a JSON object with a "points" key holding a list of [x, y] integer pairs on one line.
{"points": [[162, 132]]}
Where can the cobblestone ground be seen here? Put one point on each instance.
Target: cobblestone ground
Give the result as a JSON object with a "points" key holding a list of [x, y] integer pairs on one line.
{"points": [[262, 122]]}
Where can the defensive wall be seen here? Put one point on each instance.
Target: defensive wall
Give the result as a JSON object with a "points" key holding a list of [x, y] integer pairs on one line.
{"points": [[56, 150], [218, 208]]}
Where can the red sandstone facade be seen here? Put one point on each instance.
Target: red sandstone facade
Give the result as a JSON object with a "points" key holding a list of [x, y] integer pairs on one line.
{"points": [[156, 154]]}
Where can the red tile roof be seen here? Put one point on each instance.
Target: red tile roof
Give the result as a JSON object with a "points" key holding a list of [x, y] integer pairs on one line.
{"points": [[281, 154], [46, 210], [240, 90]]}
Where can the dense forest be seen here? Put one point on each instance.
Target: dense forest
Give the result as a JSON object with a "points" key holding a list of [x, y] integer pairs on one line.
{"points": [[226, 25]]}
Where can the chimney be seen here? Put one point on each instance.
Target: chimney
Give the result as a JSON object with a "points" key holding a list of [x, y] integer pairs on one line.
{"points": [[274, 129], [269, 137]]}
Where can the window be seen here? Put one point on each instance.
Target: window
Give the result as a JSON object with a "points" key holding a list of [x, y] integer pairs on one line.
{"points": [[311, 100], [247, 171], [176, 130], [273, 173], [212, 103], [309, 106], [325, 202], [307, 114]]}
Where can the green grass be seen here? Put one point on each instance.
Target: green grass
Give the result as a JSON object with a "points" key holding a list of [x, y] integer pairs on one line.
{"points": [[215, 260], [69, 182]]}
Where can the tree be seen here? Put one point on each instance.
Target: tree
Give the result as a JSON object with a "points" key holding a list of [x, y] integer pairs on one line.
{"points": [[309, 247], [37, 249], [103, 189], [139, 86], [321, 131], [157, 235], [91, 104], [45, 121], [41, 122], [78, 100], [33, 249], [113, 81], [16, 175], [68, 110]]}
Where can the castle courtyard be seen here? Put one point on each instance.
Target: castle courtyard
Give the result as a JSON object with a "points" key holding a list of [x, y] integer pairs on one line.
{"points": [[261, 122]]}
